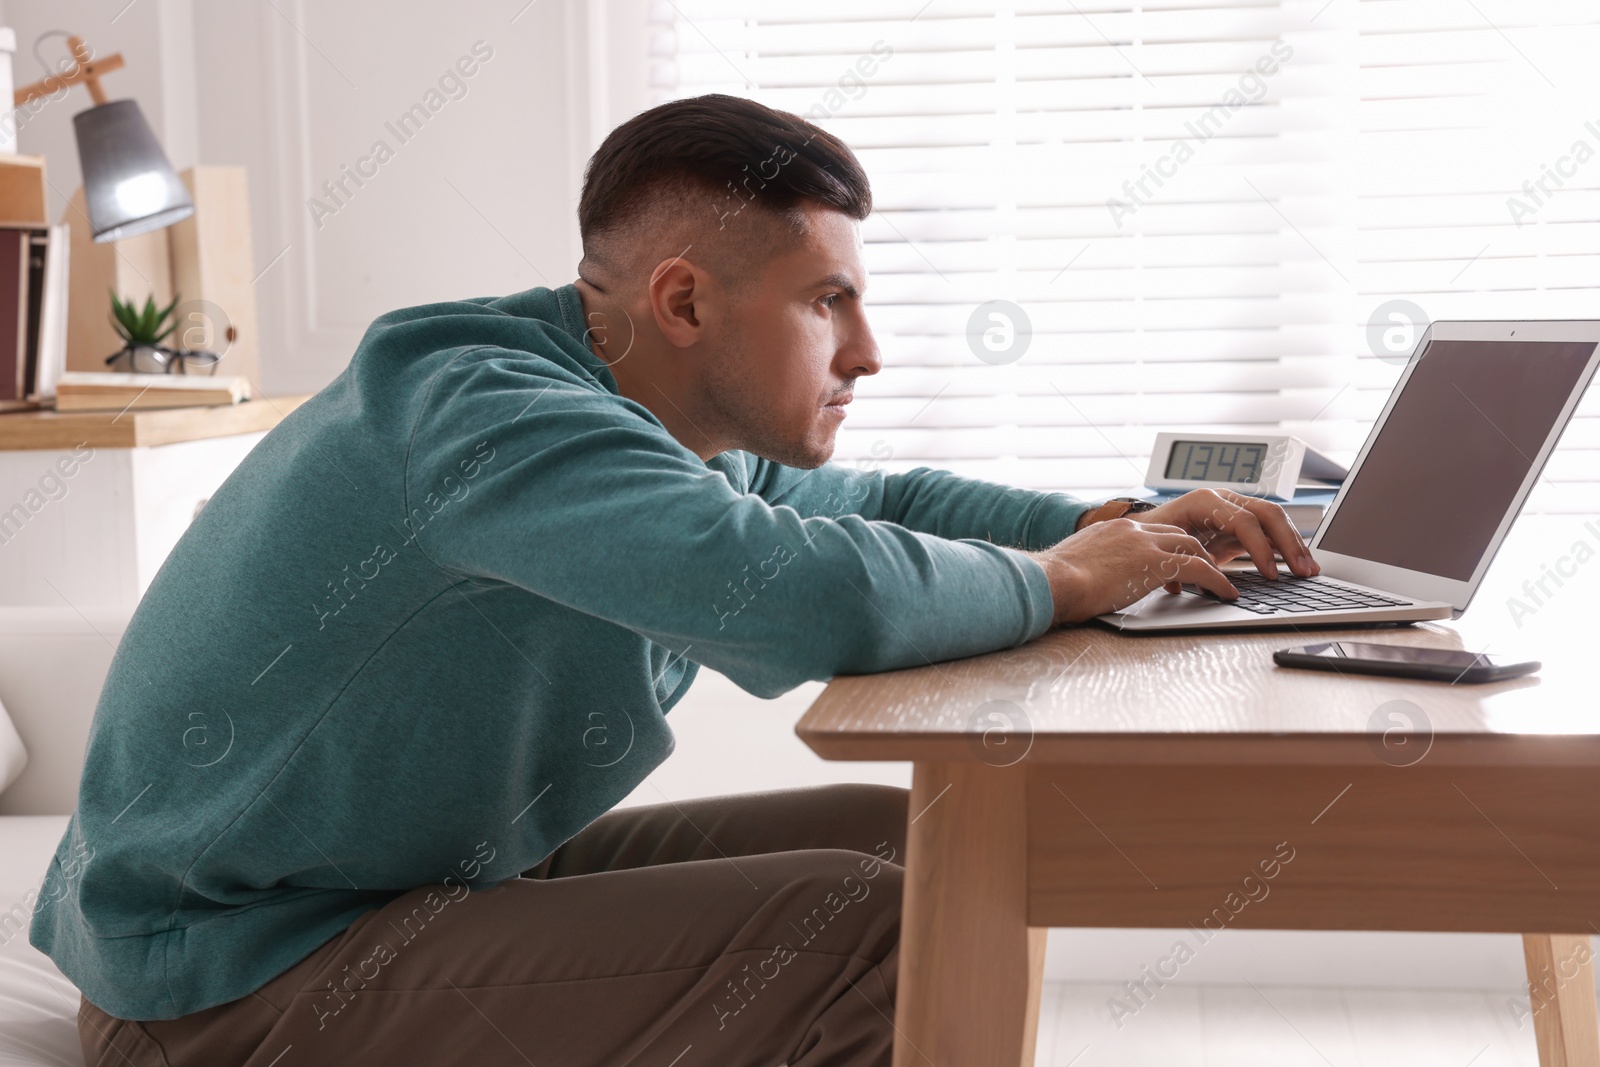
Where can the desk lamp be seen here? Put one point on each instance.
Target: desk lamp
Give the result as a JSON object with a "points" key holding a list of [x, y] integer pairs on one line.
{"points": [[129, 186]]}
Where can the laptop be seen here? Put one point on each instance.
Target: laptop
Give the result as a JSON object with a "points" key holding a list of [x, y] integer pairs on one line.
{"points": [[1443, 474]]}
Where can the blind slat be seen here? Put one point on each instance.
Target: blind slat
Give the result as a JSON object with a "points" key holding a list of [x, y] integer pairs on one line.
{"points": [[1196, 241]]}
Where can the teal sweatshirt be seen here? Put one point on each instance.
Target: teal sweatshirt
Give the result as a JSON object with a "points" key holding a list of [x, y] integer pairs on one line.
{"points": [[431, 626]]}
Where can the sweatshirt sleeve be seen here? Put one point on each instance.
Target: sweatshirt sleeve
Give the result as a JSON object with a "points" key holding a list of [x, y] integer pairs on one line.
{"points": [[927, 500], [587, 500]]}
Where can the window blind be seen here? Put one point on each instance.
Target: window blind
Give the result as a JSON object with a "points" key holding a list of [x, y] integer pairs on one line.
{"points": [[1099, 220]]}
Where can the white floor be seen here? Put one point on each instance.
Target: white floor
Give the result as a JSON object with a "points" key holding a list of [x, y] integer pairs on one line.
{"points": [[1273, 1026]]}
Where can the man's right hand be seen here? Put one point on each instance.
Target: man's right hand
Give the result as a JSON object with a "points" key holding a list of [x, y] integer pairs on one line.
{"points": [[1108, 565]]}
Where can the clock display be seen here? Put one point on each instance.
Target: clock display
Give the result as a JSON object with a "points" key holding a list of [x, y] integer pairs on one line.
{"points": [[1216, 461]]}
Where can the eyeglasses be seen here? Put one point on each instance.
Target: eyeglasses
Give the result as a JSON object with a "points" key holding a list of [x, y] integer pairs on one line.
{"points": [[158, 359]]}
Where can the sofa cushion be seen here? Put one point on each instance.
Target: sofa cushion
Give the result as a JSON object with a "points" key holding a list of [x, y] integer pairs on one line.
{"points": [[13, 756], [38, 1004], [53, 662]]}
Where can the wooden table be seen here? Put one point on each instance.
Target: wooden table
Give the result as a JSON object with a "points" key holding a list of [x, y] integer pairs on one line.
{"points": [[48, 429], [1095, 779]]}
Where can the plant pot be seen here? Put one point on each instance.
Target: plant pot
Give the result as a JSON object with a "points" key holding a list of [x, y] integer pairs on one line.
{"points": [[140, 359]]}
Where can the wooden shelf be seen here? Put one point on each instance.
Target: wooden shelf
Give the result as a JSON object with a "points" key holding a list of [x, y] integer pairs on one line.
{"points": [[56, 430]]}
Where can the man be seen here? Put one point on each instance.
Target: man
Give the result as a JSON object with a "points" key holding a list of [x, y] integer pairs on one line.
{"points": [[346, 795]]}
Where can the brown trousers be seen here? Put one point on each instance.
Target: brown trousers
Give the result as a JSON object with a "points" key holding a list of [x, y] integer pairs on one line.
{"points": [[756, 929]]}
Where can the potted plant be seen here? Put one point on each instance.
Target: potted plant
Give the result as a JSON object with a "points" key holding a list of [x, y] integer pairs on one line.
{"points": [[142, 330]]}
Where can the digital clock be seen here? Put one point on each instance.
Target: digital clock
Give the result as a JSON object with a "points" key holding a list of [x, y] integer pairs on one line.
{"points": [[1268, 465]]}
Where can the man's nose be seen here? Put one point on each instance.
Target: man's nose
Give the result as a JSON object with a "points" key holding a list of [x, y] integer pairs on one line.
{"points": [[861, 354]]}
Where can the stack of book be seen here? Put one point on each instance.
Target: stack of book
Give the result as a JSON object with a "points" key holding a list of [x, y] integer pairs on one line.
{"points": [[33, 313], [117, 391]]}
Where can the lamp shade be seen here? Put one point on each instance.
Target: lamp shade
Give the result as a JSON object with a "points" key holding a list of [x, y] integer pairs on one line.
{"points": [[128, 185]]}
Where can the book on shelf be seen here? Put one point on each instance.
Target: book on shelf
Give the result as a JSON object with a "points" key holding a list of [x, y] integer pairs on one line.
{"points": [[52, 332], [118, 391], [13, 314], [33, 313]]}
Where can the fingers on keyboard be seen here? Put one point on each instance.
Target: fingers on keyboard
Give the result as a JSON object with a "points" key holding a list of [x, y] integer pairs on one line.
{"points": [[1268, 596]]}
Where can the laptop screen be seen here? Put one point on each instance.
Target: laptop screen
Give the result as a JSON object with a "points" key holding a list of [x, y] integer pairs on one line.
{"points": [[1450, 458]]}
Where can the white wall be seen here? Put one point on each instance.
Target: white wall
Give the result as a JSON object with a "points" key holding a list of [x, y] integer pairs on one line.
{"points": [[480, 201]]}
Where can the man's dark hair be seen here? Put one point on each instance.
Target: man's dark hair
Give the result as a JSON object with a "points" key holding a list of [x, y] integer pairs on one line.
{"points": [[716, 157]]}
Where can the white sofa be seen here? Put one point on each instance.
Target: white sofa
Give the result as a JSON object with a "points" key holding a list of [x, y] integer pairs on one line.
{"points": [[52, 664]]}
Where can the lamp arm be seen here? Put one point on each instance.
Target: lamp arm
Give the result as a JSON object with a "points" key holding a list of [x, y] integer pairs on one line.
{"points": [[87, 71]]}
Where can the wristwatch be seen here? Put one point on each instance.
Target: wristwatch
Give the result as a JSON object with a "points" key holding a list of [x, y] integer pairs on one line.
{"points": [[1116, 508]]}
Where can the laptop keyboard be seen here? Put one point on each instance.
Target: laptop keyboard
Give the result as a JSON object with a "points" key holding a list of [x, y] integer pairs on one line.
{"points": [[1294, 595]]}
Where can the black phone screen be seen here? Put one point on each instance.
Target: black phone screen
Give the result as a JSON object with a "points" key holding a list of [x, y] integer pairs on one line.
{"points": [[1441, 657], [1404, 661]]}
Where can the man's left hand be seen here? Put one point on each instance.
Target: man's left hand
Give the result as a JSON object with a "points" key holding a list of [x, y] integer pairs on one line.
{"points": [[1230, 524]]}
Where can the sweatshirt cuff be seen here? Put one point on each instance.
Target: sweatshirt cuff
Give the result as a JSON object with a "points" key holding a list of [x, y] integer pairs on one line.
{"points": [[1053, 519], [1038, 606]]}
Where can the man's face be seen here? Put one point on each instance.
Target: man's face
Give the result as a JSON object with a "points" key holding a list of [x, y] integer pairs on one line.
{"points": [[796, 340]]}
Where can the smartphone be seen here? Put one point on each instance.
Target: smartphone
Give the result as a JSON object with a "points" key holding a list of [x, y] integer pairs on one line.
{"points": [[1402, 661]]}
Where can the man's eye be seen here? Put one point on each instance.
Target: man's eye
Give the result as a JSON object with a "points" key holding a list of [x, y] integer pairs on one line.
{"points": [[829, 300]]}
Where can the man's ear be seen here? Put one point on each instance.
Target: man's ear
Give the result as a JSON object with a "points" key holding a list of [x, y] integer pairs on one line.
{"points": [[678, 294]]}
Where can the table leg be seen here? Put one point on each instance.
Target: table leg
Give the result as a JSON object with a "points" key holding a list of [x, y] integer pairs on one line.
{"points": [[1561, 992], [1038, 936], [968, 983]]}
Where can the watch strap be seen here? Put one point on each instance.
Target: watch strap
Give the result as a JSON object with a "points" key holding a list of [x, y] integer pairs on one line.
{"points": [[1116, 508]]}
